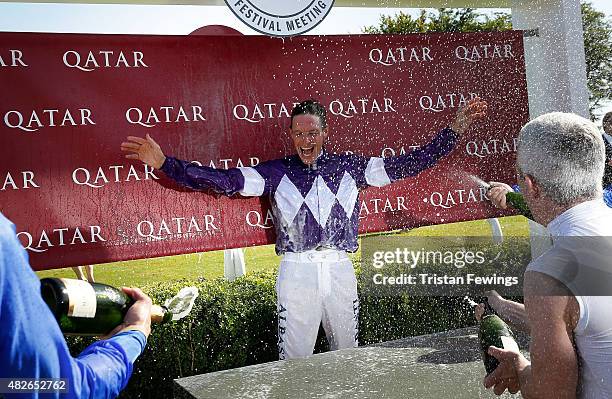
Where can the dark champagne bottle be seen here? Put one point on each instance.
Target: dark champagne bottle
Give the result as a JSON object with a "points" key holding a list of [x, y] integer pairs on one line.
{"points": [[83, 308], [517, 201], [493, 331]]}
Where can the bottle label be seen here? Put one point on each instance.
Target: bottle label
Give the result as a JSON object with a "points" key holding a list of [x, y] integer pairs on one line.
{"points": [[509, 344], [81, 298]]}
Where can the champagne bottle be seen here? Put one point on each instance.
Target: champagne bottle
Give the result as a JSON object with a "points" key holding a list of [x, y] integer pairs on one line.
{"points": [[492, 331], [517, 201], [83, 308]]}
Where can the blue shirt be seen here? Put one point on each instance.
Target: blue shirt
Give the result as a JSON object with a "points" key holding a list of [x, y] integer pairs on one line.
{"points": [[313, 206], [607, 196], [32, 345]]}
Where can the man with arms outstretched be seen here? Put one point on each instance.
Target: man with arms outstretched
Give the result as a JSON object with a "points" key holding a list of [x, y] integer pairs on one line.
{"points": [[314, 199]]}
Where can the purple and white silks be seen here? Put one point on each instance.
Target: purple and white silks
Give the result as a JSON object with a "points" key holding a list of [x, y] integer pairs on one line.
{"points": [[313, 206]]}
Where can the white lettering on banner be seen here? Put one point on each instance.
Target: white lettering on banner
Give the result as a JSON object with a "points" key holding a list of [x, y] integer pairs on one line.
{"points": [[61, 237], [31, 121], [391, 56], [344, 108], [26, 181], [103, 59], [380, 205], [456, 197], [257, 113], [390, 152], [361, 106], [484, 52], [164, 114], [255, 219], [227, 163], [114, 173], [440, 102], [176, 226], [484, 148], [15, 59]]}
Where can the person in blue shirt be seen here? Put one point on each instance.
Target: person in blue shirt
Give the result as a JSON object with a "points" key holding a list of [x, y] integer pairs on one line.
{"points": [[32, 345]]}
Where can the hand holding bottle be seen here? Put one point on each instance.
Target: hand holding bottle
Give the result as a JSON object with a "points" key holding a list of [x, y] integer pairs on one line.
{"points": [[138, 317], [497, 194], [83, 308], [479, 311], [506, 375], [492, 332], [494, 299]]}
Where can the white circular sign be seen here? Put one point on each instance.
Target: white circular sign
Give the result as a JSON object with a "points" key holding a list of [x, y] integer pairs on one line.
{"points": [[281, 18]]}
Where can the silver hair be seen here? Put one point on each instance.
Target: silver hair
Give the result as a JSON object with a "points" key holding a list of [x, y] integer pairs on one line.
{"points": [[565, 154]]}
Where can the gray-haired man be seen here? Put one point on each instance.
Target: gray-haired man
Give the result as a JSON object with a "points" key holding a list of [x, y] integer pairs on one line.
{"points": [[560, 164]]}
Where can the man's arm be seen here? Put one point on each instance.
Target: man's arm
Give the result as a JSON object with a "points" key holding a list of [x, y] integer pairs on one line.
{"points": [[104, 368], [553, 371], [32, 345], [554, 362], [414, 162], [510, 311], [245, 181], [514, 313], [497, 194], [382, 171]]}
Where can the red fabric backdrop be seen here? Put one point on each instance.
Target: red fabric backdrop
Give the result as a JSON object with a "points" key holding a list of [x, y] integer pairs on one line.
{"points": [[69, 100]]}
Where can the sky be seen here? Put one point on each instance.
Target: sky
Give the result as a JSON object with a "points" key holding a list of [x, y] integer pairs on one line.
{"points": [[159, 19], [179, 20]]}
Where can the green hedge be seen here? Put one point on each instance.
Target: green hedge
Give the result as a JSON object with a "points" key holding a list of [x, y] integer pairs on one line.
{"points": [[233, 324]]}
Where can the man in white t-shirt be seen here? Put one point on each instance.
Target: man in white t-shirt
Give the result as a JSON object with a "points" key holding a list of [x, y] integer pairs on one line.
{"points": [[568, 289]]}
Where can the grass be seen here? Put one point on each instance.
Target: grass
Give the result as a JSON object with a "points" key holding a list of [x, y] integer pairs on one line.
{"points": [[209, 265]]}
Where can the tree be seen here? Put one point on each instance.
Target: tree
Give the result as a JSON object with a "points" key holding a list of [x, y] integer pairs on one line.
{"points": [[445, 20], [597, 37], [598, 51]]}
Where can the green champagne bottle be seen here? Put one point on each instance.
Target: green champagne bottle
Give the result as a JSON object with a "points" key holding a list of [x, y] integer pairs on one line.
{"points": [[83, 308], [517, 201], [492, 331]]}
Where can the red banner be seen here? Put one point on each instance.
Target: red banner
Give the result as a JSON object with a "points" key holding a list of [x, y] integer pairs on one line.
{"points": [[70, 100]]}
